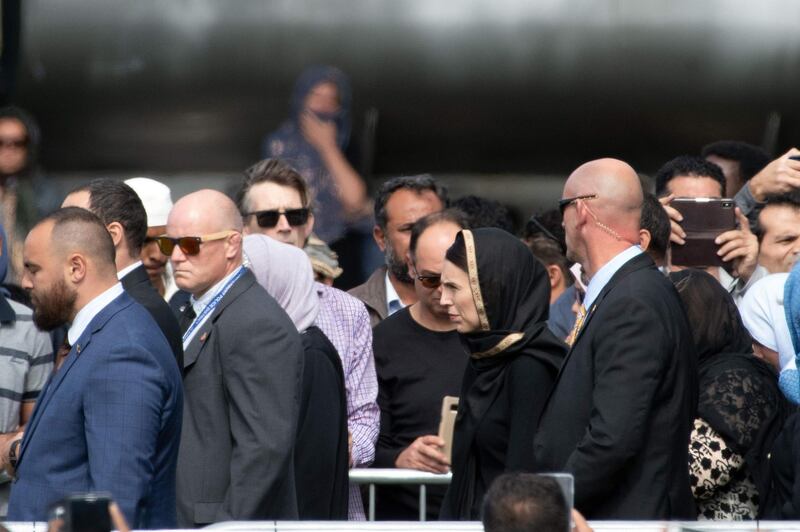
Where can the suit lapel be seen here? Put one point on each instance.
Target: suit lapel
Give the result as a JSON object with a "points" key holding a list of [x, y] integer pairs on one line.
{"points": [[638, 262], [57, 379], [200, 338]]}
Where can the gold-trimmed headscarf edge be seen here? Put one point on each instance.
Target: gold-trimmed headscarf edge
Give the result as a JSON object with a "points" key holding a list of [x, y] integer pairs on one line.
{"points": [[504, 344], [474, 282]]}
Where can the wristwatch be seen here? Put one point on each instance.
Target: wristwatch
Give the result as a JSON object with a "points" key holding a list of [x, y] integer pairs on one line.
{"points": [[12, 452]]}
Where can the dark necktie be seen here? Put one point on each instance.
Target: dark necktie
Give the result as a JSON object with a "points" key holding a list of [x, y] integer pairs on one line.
{"points": [[62, 353], [187, 317]]}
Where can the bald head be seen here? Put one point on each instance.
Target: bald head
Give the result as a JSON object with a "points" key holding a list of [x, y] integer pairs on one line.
{"points": [[208, 210]]}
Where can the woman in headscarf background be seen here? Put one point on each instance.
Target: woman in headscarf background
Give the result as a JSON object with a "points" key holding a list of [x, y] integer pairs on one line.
{"points": [[498, 294], [321, 450], [784, 502], [314, 141], [740, 409]]}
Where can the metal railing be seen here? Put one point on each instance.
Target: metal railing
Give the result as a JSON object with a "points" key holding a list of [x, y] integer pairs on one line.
{"points": [[392, 476]]}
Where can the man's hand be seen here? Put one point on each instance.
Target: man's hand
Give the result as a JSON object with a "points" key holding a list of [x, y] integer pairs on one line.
{"points": [[741, 247], [424, 454], [780, 176], [320, 134], [5, 448], [580, 522], [677, 235]]}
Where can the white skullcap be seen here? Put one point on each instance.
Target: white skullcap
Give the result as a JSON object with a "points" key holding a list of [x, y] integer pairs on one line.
{"points": [[156, 198]]}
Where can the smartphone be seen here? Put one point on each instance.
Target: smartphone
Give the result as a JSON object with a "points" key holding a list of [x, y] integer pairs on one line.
{"points": [[448, 424], [704, 219], [87, 512]]}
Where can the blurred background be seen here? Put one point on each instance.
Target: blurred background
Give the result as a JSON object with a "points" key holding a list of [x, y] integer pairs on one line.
{"points": [[501, 98]]}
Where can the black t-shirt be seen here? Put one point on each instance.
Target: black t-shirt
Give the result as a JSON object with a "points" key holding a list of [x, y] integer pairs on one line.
{"points": [[416, 368]]}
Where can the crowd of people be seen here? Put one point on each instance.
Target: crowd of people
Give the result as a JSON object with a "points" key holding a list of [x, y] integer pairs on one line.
{"points": [[195, 360]]}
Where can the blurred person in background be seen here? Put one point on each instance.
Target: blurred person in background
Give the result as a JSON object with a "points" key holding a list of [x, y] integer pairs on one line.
{"points": [[324, 261], [738, 160], [315, 141], [419, 360], [25, 366], [157, 201], [778, 232], [321, 449], [497, 294], [728, 449], [25, 194], [273, 200], [400, 202], [483, 212], [119, 208], [655, 222]]}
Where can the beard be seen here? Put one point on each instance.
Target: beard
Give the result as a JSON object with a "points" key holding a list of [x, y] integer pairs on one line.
{"points": [[397, 265], [53, 308]]}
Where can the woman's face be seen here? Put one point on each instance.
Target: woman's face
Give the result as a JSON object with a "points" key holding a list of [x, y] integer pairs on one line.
{"points": [[457, 298], [323, 99]]}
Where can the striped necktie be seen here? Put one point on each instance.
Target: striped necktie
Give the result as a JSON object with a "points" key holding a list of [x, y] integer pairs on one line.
{"points": [[578, 324]]}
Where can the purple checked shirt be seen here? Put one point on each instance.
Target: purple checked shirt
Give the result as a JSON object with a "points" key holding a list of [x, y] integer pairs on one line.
{"points": [[345, 321]]}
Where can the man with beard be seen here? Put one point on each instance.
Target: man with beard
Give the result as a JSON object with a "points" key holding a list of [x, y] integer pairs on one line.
{"points": [[419, 359], [401, 201], [109, 420]]}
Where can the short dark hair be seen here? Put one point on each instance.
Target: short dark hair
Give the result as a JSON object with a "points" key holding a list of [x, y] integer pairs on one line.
{"points": [[483, 212], [547, 224], [549, 252], [82, 228], [688, 165], [787, 199], [452, 215], [520, 502], [752, 159], [111, 201], [656, 221], [275, 171], [418, 183]]}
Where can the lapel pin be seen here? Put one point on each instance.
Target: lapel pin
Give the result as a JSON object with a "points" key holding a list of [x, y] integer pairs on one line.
{"points": [[203, 337], [78, 348]]}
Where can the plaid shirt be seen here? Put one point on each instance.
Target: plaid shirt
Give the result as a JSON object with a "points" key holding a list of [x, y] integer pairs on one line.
{"points": [[345, 321]]}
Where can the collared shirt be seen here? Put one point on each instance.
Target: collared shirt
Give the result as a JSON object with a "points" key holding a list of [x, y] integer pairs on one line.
{"points": [[393, 301], [345, 321], [601, 278], [200, 304], [128, 269], [90, 310]]}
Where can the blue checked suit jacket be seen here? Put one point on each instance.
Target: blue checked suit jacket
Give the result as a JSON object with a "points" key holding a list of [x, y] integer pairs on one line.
{"points": [[108, 420]]}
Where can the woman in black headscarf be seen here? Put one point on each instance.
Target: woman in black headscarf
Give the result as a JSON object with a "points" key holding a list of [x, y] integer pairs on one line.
{"points": [[740, 410], [498, 296]]}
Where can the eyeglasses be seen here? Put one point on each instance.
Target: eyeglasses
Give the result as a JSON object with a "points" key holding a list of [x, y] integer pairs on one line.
{"points": [[15, 143], [190, 245], [566, 202], [269, 219], [430, 281]]}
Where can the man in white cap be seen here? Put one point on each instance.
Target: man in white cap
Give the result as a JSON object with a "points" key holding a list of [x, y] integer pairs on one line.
{"points": [[157, 200]]}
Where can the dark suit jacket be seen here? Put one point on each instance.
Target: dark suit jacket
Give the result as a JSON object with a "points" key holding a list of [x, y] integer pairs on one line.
{"points": [[373, 294], [108, 420], [242, 373], [138, 285], [620, 415]]}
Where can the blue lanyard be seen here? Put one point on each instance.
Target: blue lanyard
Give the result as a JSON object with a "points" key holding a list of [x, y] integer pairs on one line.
{"points": [[214, 302]]}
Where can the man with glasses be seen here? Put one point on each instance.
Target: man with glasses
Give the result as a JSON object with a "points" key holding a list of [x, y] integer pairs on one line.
{"points": [[271, 186], [419, 359], [119, 208], [621, 410], [242, 371]]}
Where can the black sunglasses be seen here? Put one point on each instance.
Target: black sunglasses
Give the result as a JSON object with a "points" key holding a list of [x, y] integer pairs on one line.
{"points": [[430, 281], [269, 219], [566, 202]]}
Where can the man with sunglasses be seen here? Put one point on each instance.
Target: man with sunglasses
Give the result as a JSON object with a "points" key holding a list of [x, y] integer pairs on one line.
{"points": [[242, 371], [419, 359], [271, 186], [121, 210]]}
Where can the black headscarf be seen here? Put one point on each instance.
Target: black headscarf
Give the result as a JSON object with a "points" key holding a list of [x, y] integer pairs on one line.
{"points": [[511, 291], [739, 394]]}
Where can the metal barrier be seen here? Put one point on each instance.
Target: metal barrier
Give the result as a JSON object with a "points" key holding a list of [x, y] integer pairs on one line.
{"points": [[398, 477]]}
